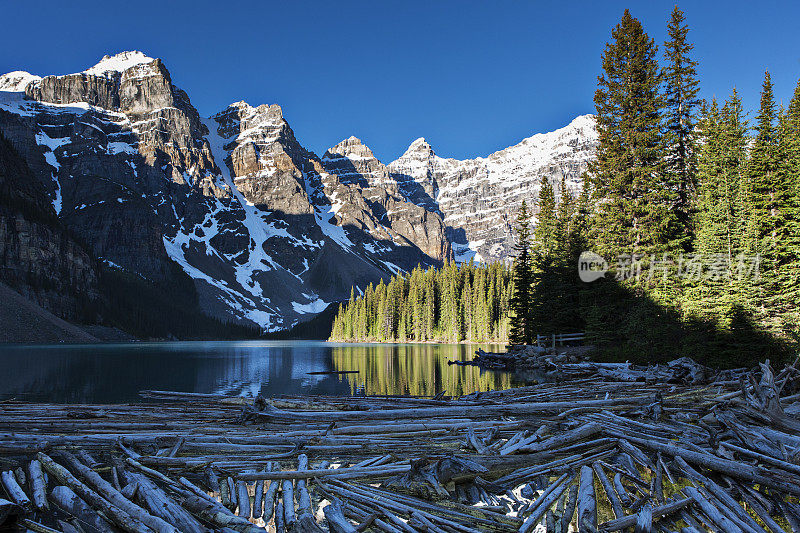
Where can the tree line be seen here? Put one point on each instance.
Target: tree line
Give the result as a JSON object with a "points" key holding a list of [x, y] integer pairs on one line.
{"points": [[454, 303], [692, 210], [695, 215]]}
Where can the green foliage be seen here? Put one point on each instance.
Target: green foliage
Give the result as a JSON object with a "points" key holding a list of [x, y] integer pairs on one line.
{"points": [[522, 331], [680, 101], [451, 304], [722, 195], [669, 187], [633, 197]]}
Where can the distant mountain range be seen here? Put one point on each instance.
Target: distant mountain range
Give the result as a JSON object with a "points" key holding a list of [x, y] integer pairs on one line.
{"points": [[269, 232]]}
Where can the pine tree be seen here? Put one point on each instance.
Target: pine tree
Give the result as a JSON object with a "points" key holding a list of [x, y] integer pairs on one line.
{"points": [[722, 161], [634, 204], [546, 233], [567, 210], [765, 200], [680, 99], [786, 225], [521, 331]]}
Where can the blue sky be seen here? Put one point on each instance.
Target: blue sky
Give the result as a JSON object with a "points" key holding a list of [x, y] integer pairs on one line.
{"points": [[472, 77]]}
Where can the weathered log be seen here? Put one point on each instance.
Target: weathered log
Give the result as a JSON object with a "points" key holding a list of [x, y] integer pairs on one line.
{"points": [[258, 500], [270, 496], [31, 525], [305, 523], [714, 514], [14, 491], [544, 502], [336, 519], [486, 412], [622, 523], [225, 495], [64, 498], [569, 508], [339, 473], [739, 514], [558, 441], [725, 466], [160, 504], [616, 505], [107, 491], [587, 504], [217, 515], [121, 518], [287, 488], [243, 498], [303, 497], [38, 485]]}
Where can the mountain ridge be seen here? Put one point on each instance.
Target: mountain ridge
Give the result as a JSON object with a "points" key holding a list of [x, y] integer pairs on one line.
{"points": [[270, 232]]}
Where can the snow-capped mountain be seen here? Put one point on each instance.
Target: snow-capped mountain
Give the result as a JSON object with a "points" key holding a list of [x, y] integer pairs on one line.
{"points": [[269, 232], [478, 198]]}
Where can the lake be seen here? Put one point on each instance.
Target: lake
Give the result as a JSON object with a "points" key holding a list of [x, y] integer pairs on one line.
{"points": [[115, 373]]}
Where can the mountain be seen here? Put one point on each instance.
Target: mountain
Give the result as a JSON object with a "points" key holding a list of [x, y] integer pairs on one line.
{"points": [[478, 198], [268, 232]]}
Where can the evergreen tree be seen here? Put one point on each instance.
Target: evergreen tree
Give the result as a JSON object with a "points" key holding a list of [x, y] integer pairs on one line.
{"points": [[634, 202], [680, 99], [477, 295], [720, 218], [546, 233], [521, 327], [764, 175]]}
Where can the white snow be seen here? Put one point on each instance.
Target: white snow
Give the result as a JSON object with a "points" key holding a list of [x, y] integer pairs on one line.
{"points": [[314, 306], [323, 219], [17, 81], [121, 148], [118, 63], [464, 252], [51, 144]]}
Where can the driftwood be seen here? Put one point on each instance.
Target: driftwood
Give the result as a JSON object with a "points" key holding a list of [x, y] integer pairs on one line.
{"points": [[558, 455]]}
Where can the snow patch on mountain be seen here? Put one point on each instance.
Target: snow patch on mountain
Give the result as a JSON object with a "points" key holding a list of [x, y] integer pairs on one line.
{"points": [[315, 305], [17, 81], [118, 63]]}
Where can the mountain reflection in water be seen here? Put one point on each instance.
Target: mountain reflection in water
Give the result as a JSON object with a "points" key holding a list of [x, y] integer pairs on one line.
{"points": [[115, 373]]}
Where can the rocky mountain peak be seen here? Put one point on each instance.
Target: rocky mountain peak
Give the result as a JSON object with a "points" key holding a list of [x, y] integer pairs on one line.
{"points": [[419, 149], [118, 63], [244, 120], [351, 148]]}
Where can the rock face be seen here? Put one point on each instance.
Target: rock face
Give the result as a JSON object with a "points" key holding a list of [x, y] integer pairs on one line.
{"points": [[38, 257], [478, 198], [269, 232]]}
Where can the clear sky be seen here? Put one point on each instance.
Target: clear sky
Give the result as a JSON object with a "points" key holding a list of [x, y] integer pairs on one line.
{"points": [[472, 77]]}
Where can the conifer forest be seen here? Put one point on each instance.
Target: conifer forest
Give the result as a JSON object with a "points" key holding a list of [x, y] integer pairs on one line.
{"points": [[692, 205]]}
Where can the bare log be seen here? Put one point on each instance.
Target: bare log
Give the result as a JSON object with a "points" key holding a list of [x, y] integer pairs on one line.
{"points": [[14, 491], [288, 502], [587, 504], [218, 515], [132, 524]]}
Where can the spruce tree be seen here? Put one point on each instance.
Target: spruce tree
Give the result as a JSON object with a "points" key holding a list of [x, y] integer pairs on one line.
{"points": [[765, 200], [680, 100], [546, 232], [786, 217], [634, 204], [521, 328]]}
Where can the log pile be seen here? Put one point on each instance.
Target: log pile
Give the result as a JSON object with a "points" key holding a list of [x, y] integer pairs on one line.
{"points": [[593, 454]]}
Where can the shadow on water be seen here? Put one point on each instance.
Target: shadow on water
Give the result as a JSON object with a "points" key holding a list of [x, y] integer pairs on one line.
{"points": [[114, 373]]}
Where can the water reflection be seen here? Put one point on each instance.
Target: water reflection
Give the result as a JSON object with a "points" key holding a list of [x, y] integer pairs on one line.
{"points": [[115, 373], [417, 369]]}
